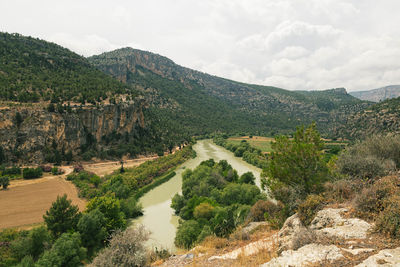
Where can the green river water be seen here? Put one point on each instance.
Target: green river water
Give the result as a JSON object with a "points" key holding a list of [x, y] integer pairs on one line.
{"points": [[159, 217]]}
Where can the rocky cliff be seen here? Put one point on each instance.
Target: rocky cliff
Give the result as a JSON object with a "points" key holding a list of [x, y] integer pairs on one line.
{"points": [[26, 132]]}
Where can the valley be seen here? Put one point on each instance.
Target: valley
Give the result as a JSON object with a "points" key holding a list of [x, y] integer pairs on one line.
{"points": [[215, 170]]}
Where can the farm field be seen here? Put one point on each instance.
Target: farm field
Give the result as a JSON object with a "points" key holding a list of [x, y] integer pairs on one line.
{"points": [[260, 142], [264, 143], [26, 201], [25, 204]]}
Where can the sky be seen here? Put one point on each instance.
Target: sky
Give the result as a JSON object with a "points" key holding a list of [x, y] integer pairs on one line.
{"points": [[292, 44]]}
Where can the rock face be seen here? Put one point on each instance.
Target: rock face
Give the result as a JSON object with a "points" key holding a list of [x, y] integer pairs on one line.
{"points": [[330, 222], [292, 233], [385, 258], [312, 253], [39, 128]]}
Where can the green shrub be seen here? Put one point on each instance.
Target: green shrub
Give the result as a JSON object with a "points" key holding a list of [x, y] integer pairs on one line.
{"points": [[4, 181], [12, 171], [187, 234], [32, 173], [375, 156], [204, 210], [309, 208], [388, 221]]}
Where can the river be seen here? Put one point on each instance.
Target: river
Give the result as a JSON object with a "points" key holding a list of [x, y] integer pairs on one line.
{"points": [[159, 217]]}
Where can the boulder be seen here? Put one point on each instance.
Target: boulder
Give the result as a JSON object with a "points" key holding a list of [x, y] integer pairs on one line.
{"points": [[385, 258], [309, 254], [330, 222]]}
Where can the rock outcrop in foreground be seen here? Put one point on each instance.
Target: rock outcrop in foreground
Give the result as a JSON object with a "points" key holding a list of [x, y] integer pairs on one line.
{"points": [[332, 239]]}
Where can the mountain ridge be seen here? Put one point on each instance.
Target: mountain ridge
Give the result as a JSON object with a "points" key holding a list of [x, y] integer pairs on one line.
{"points": [[379, 94], [281, 110]]}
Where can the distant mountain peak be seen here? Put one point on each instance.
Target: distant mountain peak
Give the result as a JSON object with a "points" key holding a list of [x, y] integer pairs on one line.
{"points": [[379, 94]]}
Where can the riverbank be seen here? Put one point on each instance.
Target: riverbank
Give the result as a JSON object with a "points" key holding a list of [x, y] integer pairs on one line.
{"points": [[159, 217]]}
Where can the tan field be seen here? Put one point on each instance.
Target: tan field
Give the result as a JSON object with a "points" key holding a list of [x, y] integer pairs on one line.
{"points": [[25, 202]]}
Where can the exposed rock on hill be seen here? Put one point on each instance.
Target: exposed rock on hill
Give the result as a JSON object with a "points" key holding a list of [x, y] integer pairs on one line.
{"points": [[380, 94], [40, 130]]}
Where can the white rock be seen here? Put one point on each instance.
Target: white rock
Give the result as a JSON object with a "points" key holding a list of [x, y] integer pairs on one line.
{"points": [[290, 231], [357, 251], [330, 222], [385, 258], [311, 253]]}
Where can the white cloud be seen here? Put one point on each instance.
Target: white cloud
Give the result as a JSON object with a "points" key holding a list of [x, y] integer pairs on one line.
{"points": [[294, 44]]}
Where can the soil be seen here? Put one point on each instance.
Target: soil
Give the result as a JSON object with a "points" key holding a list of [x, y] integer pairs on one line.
{"points": [[25, 202]]}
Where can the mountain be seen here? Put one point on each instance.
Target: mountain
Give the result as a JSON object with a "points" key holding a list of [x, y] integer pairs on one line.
{"points": [[54, 106], [381, 118], [33, 70], [204, 103], [380, 94]]}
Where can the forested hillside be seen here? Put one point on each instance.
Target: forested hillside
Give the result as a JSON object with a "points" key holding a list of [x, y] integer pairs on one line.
{"points": [[383, 117], [55, 106], [32, 70], [204, 103]]}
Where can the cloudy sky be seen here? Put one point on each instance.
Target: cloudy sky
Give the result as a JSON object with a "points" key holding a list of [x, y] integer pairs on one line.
{"points": [[293, 44]]}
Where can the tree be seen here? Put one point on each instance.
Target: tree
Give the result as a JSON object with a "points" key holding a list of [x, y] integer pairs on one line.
{"points": [[92, 228], [4, 181], [127, 248], [3, 157], [187, 234], [297, 163], [111, 209], [62, 216], [37, 240], [18, 119], [247, 178], [66, 251]]}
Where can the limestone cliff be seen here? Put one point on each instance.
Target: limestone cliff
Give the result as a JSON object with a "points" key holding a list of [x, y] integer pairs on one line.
{"points": [[36, 129]]}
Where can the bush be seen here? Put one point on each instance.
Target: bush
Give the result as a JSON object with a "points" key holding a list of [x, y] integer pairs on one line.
{"points": [[388, 221], [4, 181], [375, 198], [187, 234], [266, 210], [375, 156], [309, 208], [66, 251], [12, 171], [56, 171], [342, 190], [204, 210], [247, 178], [32, 173], [126, 248]]}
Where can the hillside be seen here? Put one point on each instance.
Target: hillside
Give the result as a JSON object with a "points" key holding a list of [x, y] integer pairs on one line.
{"points": [[383, 117], [380, 94], [32, 70], [55, 106], [204, 103]]}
